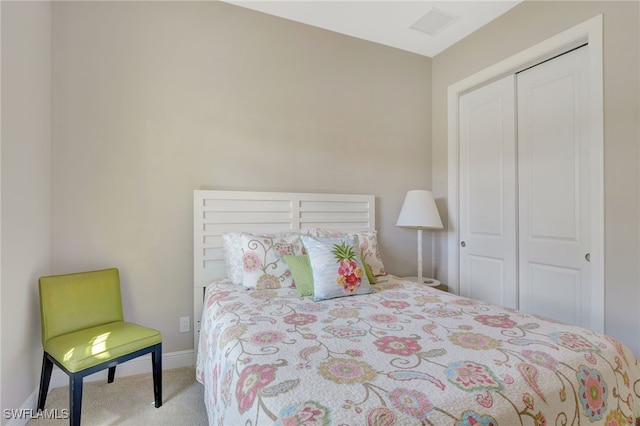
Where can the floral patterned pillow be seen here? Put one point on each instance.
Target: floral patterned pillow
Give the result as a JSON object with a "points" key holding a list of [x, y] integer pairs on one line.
{"points": [[263, 262], [369, 250], [336, 266]]}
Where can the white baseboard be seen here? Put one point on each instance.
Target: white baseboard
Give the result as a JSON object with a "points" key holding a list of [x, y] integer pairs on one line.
{"points": [[140, 365]]}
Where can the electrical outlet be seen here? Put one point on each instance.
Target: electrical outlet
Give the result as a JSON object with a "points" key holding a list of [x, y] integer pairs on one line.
{"points": [[184, 325]]}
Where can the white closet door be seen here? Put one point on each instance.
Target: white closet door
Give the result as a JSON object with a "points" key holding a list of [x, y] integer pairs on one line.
{"points": [[488, 194], [553, 165]]}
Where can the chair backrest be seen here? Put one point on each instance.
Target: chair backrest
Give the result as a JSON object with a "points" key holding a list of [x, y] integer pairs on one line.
{"points": [[73, 302]]}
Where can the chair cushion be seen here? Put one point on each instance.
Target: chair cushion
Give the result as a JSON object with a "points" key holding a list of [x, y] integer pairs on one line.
{"points": [[86, 348]]}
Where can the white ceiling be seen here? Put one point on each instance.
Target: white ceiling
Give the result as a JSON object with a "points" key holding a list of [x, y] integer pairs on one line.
{"points": [[387, 22]]}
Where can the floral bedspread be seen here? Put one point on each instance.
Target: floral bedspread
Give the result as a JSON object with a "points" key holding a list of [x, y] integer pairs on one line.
{"points": [[406, 354]]}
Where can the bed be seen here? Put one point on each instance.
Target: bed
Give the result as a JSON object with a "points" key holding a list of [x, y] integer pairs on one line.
{"points": [[391, 353]]}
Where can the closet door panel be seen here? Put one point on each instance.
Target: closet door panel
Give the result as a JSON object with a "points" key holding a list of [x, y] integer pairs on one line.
{"points": [[553, 170], [486, 277], [487, 194], [555, 292]]}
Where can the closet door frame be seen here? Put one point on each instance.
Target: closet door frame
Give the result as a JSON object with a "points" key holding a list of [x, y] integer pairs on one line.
{"points": [[589, 32]]}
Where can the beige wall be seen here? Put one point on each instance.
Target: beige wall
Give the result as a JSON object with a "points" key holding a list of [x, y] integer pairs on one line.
{"points": [[526, 25], [26, 194], [152, 100]]}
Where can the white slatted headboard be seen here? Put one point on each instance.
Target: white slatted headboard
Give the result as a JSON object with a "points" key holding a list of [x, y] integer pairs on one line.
{"points": [[216, 212]]}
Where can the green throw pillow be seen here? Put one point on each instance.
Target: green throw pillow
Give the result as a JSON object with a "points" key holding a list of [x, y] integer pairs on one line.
{"points": [[367, 271], [302, 275]]}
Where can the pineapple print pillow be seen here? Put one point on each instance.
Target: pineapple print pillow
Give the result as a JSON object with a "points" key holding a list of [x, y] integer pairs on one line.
{"points": [[336, 266], [369, 250]]}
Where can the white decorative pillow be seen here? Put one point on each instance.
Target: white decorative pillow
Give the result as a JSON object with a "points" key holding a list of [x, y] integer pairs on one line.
{"points": [[232, 250], [263, 259], [336, 266], [369, 250]]}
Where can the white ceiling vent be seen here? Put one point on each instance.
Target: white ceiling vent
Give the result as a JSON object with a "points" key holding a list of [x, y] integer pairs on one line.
{"points": [[434, 21]]}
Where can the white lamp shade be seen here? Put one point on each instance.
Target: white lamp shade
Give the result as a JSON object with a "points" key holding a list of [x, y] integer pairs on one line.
{"points": [[419, 211]]}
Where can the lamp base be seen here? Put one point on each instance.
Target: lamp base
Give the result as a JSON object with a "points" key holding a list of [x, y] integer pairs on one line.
{"points": [[431, 282]]}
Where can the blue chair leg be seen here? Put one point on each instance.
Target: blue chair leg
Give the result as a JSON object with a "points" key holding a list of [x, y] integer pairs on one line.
{"points": [[75, 399], [112, 374], [45, 378], [156, 361]]}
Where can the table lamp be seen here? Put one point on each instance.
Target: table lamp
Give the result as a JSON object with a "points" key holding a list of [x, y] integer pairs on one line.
{"points": [[419, 212]]}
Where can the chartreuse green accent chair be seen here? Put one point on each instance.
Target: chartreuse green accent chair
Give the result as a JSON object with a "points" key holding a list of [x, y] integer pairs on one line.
{"points": [[83, 331]]}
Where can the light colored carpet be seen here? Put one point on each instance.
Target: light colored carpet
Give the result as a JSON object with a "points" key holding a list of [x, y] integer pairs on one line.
{"points": [[129, 401]]}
